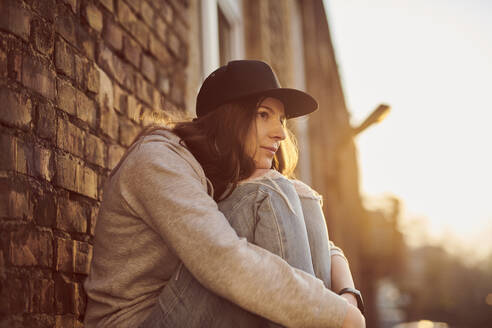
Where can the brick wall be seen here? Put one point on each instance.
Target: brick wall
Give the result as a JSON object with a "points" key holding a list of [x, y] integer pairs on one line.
{"points": [[78, 81]]}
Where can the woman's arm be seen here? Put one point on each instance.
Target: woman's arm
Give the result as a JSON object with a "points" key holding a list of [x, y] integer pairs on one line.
{"points": [[162, 189]]}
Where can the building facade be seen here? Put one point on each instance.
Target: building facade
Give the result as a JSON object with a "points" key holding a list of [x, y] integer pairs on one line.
{"points": [[79, 79]]}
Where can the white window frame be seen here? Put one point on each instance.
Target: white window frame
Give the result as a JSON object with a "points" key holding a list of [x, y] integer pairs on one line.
{"points": [[232, 10]]}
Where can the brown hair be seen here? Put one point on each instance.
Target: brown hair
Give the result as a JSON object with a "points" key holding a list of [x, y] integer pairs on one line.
{"points": [[217, 141]]}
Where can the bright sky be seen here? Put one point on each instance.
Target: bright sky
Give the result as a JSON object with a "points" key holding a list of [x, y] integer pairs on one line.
{"points": [[431, 60]]}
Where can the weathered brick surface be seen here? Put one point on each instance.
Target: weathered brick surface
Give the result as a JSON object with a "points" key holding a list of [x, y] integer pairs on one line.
{"points": [[132, 50], [38, 77], [43, 163], [65, 23], [71, 216], [42, 34], [64, 58], [115, 152], [31, 247], [86, 109], [75, 78], [148, 68], [15, 109], [45, 209], [113, 35], [15, 203], [65, 96], [128, 132], [73, 176], [15, 18], [94, 17], [69, 137], [95, 150], [108, 4], [46, 121]]}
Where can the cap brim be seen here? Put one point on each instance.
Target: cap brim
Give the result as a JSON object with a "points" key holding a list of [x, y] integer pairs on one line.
{"points": [[296, 102]]}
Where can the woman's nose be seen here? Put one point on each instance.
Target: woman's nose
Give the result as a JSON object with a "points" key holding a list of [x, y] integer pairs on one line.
{"points": [[278, 132]]}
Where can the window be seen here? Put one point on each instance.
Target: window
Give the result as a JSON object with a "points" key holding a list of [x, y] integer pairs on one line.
{"points": [[222, 33]]}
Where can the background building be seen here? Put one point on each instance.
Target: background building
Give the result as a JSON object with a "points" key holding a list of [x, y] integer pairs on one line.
{"points": [[79, 79]]}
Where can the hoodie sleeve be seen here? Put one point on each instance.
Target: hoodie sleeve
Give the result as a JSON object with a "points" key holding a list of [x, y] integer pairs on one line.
{"points": [[162, 188]]}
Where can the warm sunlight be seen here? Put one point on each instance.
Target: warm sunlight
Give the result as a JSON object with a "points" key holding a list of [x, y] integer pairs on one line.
{"points": [[430, 61]]}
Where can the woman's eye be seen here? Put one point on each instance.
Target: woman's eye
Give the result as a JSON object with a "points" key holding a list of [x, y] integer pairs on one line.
{"points": [[263, 114]]}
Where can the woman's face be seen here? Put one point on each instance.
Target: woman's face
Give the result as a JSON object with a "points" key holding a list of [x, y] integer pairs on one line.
{"points": [[266, 132]]}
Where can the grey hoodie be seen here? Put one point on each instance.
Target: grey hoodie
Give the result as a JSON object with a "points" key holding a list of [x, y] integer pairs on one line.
{"points": [[155, 213]]}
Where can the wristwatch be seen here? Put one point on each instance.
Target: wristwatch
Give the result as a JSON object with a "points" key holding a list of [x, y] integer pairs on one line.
{"points": [[357, 294]]}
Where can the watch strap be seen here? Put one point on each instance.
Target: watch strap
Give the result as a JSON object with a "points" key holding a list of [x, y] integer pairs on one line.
{"points": [[357, 294]]}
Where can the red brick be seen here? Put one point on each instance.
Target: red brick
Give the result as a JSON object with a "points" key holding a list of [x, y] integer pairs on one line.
{"points": [[15, 204], [123, 73], [64, 255], [174, 44], [16, 110], [42, 36], [65, 97], [113, 35], [3, 64], [43, 163], [115, 152], [31, 247], [141, 32], [82, 257], [68, 298], [128, 132], [92, 79], [44, 8], [159, 50], [64, 58], [17, 155], [164, 84], [144, 90], [46, 121], [106, 59], [168, 13], [71, 175], [147, 13], [70, 138], [14, 297], [71, 216], [132, 51], [135, 5], [86, 43], [65, 23], [94, 17], [15, 19], [95, 150], [41, 296], [109, 122], [148, 68], [80, 69], [93, 220], [86, 109], [72, 4], [45, 210], [161, 28], [125, 15], [120, 100], [38, 77], [134, 108], [108, 4]]}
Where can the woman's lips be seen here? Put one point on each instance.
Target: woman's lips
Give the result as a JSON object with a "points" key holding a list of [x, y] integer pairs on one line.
{"points": [[270, 150]]}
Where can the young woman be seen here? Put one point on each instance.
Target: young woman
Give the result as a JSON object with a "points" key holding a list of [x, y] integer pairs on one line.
{"points": [[165, 256]]}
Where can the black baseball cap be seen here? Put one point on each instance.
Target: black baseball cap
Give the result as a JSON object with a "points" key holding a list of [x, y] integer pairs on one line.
{"points": [[247, 78]]}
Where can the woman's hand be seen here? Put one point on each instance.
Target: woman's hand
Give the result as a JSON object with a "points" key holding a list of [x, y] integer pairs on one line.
{"points": [[353, 318], [350, 298]]}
